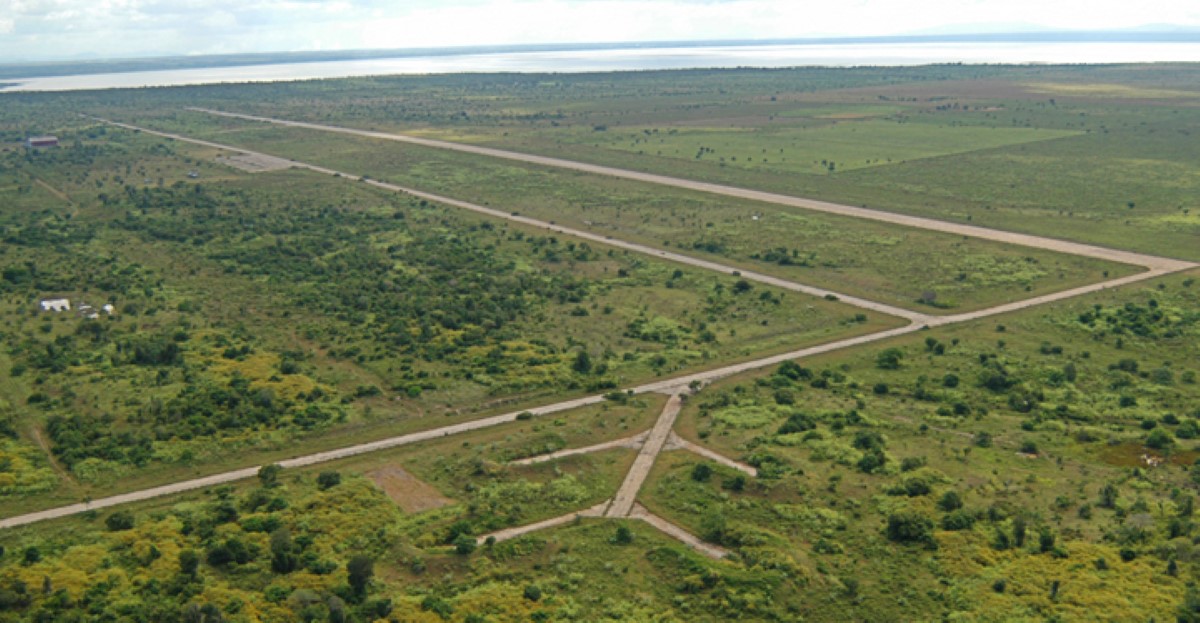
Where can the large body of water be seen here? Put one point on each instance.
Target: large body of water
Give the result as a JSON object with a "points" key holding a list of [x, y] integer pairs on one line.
{"points": [[632, 59]]}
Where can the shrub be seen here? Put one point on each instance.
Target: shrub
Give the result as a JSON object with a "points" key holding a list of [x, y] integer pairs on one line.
{"points": [[950, 501], [120, 520], [889, 359], [958, 520], [909, 527], [328, 480], [1160, 439]]}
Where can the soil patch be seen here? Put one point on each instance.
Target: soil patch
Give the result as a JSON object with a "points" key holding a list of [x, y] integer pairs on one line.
{"points": [[254, 163], [1137, 455], [409, 493]]}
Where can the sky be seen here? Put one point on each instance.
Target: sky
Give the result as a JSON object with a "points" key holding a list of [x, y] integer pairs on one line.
{"points": [[69, 29]]}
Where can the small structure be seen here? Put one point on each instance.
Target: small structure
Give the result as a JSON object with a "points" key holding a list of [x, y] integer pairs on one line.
{"points": [[193, 174], [35, 142], [109, 309], [56, 305]]}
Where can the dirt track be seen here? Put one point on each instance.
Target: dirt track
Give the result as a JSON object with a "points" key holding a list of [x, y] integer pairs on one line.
{"points": [[623, 502], [1158, 266]]}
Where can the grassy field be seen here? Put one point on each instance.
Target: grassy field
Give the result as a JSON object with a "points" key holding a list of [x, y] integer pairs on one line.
{"points": [[898, 266]]}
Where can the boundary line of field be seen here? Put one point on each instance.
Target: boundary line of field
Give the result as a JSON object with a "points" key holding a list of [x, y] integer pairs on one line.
{"points": [[974, 231]]}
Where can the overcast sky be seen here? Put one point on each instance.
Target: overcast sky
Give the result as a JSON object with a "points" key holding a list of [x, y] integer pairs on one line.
{"points": [[57, 29]]}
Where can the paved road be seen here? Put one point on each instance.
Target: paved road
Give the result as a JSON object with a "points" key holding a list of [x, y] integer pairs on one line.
{"points": [[1027, 240], [623, 501], [664, 386]]}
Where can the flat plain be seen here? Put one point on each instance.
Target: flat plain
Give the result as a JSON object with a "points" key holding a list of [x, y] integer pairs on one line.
{"points": [[1035, 464]]}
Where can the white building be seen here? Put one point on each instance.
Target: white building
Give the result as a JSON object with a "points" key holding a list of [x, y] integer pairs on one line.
{"points": [[56, 305]]}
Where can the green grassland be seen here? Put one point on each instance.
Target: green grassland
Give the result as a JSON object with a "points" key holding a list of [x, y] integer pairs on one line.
{"points": [[1034, 466], [1026, 425], [821, 149], [344, 313], [883, 262]]}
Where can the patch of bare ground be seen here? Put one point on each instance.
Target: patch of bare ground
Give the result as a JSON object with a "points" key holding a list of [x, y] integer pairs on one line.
{"points": [[409, 493]]}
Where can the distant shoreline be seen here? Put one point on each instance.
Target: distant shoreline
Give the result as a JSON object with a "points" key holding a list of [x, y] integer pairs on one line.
{"points": [[44, 69]]}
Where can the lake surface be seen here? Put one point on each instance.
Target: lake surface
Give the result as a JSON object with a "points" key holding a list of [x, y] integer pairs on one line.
{"points": [[633, 59]]}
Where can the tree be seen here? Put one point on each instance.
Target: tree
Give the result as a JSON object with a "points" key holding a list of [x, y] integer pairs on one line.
{"points": [[359, 571], [337, 610], [1045, 540], [1019, 529], [532, 592], [701, 472]]}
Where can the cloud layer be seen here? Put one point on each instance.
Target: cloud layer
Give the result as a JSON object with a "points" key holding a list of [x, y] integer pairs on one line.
{"points": [[43, 29]]}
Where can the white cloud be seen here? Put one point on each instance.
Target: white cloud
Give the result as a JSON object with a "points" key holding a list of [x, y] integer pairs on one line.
{"points": [[109, 28]]}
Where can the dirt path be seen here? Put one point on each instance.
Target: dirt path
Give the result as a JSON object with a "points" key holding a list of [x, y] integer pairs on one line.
{"points": [[675, 442], [53, 191], [628, 442], [58, 468], [689, 539], [512, 533], [1027, 240]]}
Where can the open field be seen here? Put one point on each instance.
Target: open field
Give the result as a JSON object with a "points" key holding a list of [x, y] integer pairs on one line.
{"points": [[698, 394]]}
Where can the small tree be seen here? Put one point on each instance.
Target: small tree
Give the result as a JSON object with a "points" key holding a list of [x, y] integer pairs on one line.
{"points": [[624, 535], [1108, 496]]}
